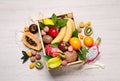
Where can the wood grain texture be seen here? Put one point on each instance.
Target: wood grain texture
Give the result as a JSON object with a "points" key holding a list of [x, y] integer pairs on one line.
{"points": [[105, 18]]}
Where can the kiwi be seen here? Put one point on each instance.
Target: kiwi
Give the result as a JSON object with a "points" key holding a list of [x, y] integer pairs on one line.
{"points": [[88, 31], [38, 64]]}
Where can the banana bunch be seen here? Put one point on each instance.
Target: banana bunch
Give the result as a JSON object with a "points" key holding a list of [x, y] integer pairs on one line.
{"points": [[60, 36], [66, 32], [69, 30]]}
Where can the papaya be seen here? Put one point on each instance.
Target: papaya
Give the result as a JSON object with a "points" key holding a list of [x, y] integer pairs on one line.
{"points": [[31, 41]]}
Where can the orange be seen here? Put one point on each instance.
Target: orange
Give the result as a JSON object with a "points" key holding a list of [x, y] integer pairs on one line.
{"points": [[88, 41], [75, 43]]}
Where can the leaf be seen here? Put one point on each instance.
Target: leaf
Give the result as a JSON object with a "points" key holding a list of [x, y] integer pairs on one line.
{"points": [[23, 52], [81, 56], [41, 25], [54, 18], [54, 44], [82, 52], [47, 57], [25, 57], [24, 60], [22, 57], [61, 22], [75, 33]]}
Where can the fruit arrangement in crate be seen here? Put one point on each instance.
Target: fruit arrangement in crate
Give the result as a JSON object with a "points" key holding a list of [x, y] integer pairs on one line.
{"points": [[64, 44]]}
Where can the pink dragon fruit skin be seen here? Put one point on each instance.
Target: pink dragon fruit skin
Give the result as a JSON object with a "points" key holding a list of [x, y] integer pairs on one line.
{"points": [[51, 51], [48, 49], [55, 54], [93, 52]]}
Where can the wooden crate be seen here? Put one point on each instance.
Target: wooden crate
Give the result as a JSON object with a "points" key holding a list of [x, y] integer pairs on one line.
{"points": [[78, 61]]}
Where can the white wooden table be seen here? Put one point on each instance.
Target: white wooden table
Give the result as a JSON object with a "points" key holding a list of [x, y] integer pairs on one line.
{"points": [[105, 18]]}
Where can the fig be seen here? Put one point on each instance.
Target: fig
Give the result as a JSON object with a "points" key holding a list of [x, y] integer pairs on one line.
{"points": [[33, 28], [71, 56], [47, 39], [63, 46]]}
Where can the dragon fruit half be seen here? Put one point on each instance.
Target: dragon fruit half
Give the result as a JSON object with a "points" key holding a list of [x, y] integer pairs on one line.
{"points": [[93, 52]]}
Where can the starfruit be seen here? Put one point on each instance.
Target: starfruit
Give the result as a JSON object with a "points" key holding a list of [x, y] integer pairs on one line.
{"points": [[54, 62], [48, 21]]}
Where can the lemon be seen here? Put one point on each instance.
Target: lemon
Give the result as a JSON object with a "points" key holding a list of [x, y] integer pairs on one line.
{"points": [[48, 21]]}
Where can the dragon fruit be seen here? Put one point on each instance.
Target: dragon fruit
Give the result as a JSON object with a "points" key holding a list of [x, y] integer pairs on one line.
{"points": [[48, 49], [52, 51], [93, 52]]}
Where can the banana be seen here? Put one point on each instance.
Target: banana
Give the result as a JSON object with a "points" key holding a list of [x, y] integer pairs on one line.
{"points": [[73, 23], [60, 36], [69, 31]]}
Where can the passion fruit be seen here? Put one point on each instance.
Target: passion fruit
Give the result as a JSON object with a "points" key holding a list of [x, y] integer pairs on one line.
{"points": [[63, 46], [33, 28]]}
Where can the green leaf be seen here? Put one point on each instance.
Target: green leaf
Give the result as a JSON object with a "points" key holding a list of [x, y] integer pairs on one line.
{"points": [[54, 18], [75, 33], [54, 44], [23, 52], [82, 52], [81, 56], [22, 57], [61, 22], [47, 57], [24, 60], [25, 57], [41, 25]]}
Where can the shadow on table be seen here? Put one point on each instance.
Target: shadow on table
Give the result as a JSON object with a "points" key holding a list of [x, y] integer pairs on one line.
{"points": [[66, 70]]}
